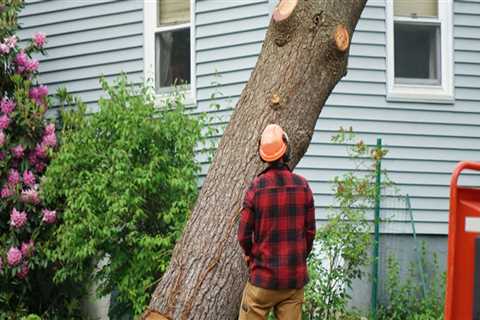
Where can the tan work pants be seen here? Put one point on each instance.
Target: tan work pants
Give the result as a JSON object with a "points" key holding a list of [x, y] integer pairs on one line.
{"points": [[257, 303]]}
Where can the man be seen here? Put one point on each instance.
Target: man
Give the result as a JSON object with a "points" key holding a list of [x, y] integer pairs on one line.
{"points": [[276, 232]]}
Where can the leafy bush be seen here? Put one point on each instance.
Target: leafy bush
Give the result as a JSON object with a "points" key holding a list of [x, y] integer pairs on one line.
{"points": [[341, 245], [27, 143], [125, 179], [407, 299]]}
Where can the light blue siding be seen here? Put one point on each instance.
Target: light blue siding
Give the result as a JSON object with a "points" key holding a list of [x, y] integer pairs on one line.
{"points": [[86, 39], [425, 140], [229, 37]]}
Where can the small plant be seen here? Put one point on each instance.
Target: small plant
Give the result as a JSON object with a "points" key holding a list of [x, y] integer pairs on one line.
{"points": [[124, 181], [407, 299], [340, 249]]}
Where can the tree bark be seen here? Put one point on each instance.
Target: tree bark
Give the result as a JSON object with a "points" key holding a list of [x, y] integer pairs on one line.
{"points": [[303, 56]]}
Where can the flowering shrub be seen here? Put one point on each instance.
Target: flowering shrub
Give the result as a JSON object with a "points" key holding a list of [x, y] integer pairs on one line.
{"points": [[26, 146]]}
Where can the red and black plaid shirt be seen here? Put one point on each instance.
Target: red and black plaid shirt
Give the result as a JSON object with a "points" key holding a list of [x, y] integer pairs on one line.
{"points": [[277, 228]]}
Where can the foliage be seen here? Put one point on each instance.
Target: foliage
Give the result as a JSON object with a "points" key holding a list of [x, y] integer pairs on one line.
{"points": [[27, 143], [406, 299], [126, 176], [341, 245], [32, 317]]}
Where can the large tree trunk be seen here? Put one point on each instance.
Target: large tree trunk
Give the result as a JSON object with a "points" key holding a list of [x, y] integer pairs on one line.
{"points": [[303, 56]]}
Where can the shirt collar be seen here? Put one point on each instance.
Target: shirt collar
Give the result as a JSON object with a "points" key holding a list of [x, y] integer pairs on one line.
{"points": [[276, 166]]}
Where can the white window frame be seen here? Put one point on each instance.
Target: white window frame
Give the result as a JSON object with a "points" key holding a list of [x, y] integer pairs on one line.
{"points": [[442, 93], [150, 28]]}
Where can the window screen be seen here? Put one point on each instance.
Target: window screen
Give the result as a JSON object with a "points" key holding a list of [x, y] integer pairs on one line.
{"points": [[173, 57], [417, 53]]}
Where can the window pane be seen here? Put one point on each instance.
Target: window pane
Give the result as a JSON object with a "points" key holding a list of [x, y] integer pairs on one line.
{"points": [[173, 57], [419, 8], [172, 11], [417, 52]]}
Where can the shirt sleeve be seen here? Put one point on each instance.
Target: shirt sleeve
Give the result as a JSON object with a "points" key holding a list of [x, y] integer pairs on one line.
{"points": [[246, 226], [310, 221]]}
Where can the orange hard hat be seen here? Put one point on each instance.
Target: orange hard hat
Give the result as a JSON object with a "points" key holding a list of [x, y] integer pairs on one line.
{"points": [[273, 143]]}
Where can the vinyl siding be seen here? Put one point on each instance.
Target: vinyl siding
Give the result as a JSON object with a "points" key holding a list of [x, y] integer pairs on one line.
{"points": [[86, 39], [425, 140]]}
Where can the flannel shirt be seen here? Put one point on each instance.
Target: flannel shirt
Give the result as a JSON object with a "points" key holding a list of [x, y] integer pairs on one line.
{"points": [[277, 228]]}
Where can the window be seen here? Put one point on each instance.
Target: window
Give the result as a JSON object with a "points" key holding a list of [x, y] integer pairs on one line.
{"points": [[168, 44], [420, 50]]}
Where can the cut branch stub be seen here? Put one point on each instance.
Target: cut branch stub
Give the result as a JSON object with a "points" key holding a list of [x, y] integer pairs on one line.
{"points": [[282, 39], [284, 9], [341, 38], [275, 101]]}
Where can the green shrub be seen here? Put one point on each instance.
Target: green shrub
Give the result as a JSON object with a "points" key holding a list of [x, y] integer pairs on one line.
{"points": [[125, 181], [341, 245]]}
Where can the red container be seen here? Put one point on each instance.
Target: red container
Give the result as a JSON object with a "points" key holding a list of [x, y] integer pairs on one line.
{"points": [[463, 225]]}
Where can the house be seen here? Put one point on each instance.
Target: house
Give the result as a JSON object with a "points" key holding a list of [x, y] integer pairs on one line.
{"points": [[413, 80]]}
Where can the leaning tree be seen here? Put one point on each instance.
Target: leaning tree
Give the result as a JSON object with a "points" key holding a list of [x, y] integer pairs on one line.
{"points": [[303, 57]]}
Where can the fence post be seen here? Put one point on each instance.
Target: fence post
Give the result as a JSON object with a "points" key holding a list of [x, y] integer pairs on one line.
{"points": [[378, 172]]}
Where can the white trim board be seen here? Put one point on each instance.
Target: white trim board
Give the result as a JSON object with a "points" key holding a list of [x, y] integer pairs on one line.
{"points": [[149, 30], [443, 93]]}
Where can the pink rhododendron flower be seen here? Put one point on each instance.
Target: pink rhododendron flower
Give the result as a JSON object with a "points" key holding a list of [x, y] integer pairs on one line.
{"points": [[49, 216], [11, 42], [14, 256], [30, 196], [4, 121], [42, 90], [6, 191], [39, 39], [2, 138], [7, 105], [1, 263], [23, 271], [32, 65], [32, 158], [24, 63], [28, 178], [41, 151], [18, 218], [27, 248], [49, 140], [37, 93], [40, 167], [13, 177], [21, 58], [33, 93], [49, 129], [4, 49], [18, 151]]}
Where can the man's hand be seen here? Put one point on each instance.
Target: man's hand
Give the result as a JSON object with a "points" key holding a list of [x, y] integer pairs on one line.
{"points": [[247, 260]]}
